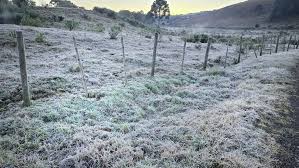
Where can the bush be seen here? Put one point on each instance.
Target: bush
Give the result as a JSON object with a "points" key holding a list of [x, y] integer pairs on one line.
{"points": [[55, 18], [100, 27], [197, 38], [122, 24], [114, 31], [134, 22], [12, 34], [112, 15], [148, 36], [71, 24], [40, 38], [85, 16], [198, 46], [108, 12], [30, 21]]}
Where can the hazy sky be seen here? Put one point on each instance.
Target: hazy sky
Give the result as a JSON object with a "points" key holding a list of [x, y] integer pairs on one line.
{"points": [[176, 6]]}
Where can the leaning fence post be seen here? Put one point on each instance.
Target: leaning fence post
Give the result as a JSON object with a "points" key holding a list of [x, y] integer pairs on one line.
{"points": [[154, 54], [184, 53], [295, 41], [23, 69], [207, 54], [277, 43], [81, 67], [262, 45], [226, 54], [289, 43], [124, 60], [271, 42], [240, 50]]}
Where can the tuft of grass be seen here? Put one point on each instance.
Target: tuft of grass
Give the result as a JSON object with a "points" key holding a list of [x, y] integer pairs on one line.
{"points": [[40, 38], [100, 28], [215, 72], [114, 31], [74, 68], [71, 24]]}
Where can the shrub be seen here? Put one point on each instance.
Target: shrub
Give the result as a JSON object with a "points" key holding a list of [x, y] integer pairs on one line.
{"points": [[12, 34], [55, 18], [134, 22], [122, 24], [74, 68], [148, 36], [112, 15], [108, 12], [100, 27], [85, 16], [198, 46], [40, 38], [30, 21], [197, 38], [71, 24], [114, 31]]}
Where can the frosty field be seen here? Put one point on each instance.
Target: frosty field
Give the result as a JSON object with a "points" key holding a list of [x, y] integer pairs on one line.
{"points": [[214, 118]]}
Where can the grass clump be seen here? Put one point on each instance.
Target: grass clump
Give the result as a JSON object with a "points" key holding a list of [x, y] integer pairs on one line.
{"points": [[215, 72], [71, 24], [40, 38], [114, 31], [100, 28]]}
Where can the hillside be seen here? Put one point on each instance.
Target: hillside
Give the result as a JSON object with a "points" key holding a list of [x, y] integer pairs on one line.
{"points": [[244, 14]]}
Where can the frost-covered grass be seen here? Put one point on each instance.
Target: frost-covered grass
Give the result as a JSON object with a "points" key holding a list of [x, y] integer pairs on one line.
{"points": [[218, 118], [214, 118]]}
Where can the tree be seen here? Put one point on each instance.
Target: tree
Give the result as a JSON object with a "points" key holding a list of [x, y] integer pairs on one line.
{"points": [[23, 3], [63, 3], [159, 11]]}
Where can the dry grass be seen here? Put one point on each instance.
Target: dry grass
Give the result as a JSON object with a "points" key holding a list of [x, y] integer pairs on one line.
{"points": [[216, 119]]}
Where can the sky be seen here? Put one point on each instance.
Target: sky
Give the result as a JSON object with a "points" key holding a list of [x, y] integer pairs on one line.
{"points": [[176, 6]]}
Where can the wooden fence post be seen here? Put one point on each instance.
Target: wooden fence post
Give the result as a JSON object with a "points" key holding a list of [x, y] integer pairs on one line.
{"points": [[23, 69], [284, 43], [271, 42], [254, 50], [277, 43], [154, 54], [240, 50], [295, 40], [262, 45], [124, 60], [289, 43], [184, 53], [226, 54], [207, 55], [81, 67]]}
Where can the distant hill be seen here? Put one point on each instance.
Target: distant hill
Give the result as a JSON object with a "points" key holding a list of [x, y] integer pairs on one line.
{"points": [[284, 9], [250, 13]]}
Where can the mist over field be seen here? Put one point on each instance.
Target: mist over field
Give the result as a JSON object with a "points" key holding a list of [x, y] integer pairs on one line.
{"points": [[101, 84]]}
